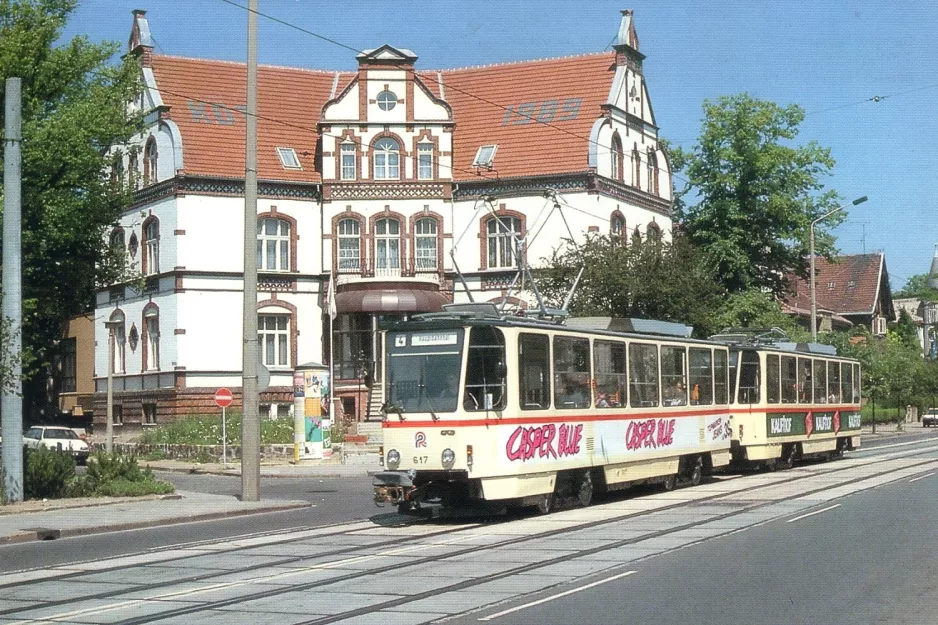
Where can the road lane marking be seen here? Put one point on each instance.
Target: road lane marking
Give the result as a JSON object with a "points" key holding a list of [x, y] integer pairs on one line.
{"points": [[921, 477], [563, 594], [804, 516]]}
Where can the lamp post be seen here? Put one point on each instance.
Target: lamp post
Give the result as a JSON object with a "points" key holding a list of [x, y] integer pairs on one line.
{"points": [[859, 200], [112, 327]]}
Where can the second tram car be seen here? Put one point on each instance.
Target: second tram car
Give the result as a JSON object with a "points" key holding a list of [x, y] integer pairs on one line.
{"points": [[789, 400], [506, 410]]}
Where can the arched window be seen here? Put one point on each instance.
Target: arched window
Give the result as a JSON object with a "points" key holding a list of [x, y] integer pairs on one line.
{"points": [[149, 162], [387, 244], [273, 244], [617, 227], [616, 158], [151, 326], [117, 169], [387, 159], [133, 176], [151, 247], [117, 333], [503, 241], [424, 161], [350, 244], [425, 234], [652, 173], [653, 231], [117, 239], [637, 162]]}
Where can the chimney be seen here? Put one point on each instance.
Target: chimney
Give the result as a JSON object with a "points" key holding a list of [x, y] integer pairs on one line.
{"points": [[140, 43]]}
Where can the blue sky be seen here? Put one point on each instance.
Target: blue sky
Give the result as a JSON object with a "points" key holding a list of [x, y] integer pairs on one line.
{"points": [[830, 57]]}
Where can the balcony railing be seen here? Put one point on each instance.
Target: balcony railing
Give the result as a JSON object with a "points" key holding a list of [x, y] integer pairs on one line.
{"points": [[406, 268]]}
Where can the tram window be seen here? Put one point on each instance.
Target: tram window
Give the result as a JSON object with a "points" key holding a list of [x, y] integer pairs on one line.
{"points": [[846, 382], [719, 380], [833, 382], [772, 379], [820, 382], [534, 371], [485, 370], [804, 381], [701, 377], [855, 393], [571, 372], [643, 374], [610, 374], [734, 369], [674, 376], [789, 380], [749, 378]]}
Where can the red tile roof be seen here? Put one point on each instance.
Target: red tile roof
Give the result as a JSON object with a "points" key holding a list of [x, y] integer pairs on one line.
{"points": [[491, 104], [214, 136], [856, 285]]}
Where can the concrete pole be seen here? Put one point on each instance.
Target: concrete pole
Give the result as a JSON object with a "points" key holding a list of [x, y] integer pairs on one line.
{"points": [[11, 402], [813, 287], [250, 421]]}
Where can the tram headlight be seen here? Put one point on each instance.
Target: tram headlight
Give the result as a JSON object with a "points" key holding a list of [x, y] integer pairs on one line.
{"points": [[394, 459], [449, 458]]}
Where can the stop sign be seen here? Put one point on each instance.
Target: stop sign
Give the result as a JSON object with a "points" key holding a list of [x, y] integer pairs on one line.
{"points": [[223, 398]]}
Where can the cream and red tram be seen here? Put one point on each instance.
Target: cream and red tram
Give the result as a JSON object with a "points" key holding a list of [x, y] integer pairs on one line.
{"points": [[509, 410], [790, 400]]}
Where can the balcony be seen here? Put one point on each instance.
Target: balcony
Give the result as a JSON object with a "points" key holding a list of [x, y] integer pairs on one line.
{"points": [[365, 269]]}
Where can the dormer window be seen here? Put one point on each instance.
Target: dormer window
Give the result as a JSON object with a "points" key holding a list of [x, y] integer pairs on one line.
{"points": [[386, 100], [288, 158], [485, 157]]}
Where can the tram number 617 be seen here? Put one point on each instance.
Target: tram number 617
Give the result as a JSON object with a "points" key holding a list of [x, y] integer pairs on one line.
{"points": [[420, 459]]}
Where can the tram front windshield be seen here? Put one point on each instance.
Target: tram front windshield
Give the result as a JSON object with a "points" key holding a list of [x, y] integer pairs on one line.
{"points": [[423, 371]]}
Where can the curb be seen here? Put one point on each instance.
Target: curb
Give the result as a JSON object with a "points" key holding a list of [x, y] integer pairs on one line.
{"points": [[45, 533], [237, 472]]}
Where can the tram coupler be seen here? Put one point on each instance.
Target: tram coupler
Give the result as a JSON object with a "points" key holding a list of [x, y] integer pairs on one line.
{"points": [[394, 487]]}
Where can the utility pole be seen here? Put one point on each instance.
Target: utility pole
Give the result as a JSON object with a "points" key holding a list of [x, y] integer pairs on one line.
{"points": [[11, 402], [250, 420]]}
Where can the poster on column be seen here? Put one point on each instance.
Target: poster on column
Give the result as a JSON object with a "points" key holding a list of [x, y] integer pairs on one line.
{"points": [[317, 443]]}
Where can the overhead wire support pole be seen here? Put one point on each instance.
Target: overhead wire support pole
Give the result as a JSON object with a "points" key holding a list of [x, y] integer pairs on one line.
{"points": [[11, 402], [250, 420]]}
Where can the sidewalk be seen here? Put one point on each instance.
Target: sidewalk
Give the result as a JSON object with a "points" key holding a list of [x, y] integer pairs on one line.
{"points": [[44, 520], [367, 464]]}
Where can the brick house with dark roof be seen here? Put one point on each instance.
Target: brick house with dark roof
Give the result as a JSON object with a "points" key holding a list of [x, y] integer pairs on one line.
{"points": [[380, 181], [850, 290]]}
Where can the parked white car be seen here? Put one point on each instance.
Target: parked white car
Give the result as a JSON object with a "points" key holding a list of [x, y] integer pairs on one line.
{"points": [[58, 439]]}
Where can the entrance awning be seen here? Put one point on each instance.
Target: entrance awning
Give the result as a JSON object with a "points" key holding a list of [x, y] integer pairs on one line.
{"points": [[384, 298]]}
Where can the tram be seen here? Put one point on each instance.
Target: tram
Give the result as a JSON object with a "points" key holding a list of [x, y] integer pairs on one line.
{"points": [[505, 410], [789, 400]]}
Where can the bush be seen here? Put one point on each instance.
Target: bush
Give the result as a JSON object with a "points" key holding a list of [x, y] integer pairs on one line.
{"points": [[116, 475], [121, 487], [206, 430], [47, 474]]}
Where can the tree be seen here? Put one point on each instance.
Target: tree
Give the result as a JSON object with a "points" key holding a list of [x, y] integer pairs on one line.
{"points": [[917, 287], [756, 193], [74, 109], [907, 332], [755, 309], [650, 279]]}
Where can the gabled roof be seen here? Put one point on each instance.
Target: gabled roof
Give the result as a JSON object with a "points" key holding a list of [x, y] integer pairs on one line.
{"points": [[540, 113], [206, 99], [857, 281]]}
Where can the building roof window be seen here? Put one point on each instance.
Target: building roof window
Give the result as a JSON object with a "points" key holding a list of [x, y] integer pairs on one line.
{"points": [[485, 157], [288, 158]]}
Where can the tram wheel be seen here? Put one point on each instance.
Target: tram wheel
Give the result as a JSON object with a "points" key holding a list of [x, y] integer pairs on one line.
{"points": [[695, 475], [585, 493], [787, 460], [545, 504], [670, 482]]}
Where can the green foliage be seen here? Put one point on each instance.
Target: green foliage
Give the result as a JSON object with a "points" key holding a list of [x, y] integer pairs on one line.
{"points": [[649, 279], [47, 473], [907, 332], [917, 286], [74, 107], [752, 194], [116, 475], [206, 430], [755, 309]]}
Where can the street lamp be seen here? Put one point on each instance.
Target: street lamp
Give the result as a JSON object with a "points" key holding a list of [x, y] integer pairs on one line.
{"points": [[112, 327], [859, 200]]}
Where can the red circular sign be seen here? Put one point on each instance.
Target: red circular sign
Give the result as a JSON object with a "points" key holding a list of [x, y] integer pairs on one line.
{"points": [[223, 398]]}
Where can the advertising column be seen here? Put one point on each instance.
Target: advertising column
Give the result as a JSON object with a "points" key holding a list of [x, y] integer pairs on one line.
{"points": [[313, 407]]}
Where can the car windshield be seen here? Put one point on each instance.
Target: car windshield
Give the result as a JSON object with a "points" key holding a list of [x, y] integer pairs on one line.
{"points": [[60, 433], [423, 371]]}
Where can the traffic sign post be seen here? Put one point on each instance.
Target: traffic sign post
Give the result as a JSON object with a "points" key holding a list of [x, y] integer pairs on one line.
{"points": [[223, 399]]}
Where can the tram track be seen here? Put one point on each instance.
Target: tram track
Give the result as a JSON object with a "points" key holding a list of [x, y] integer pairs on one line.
{"points": [[394, 545]]}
